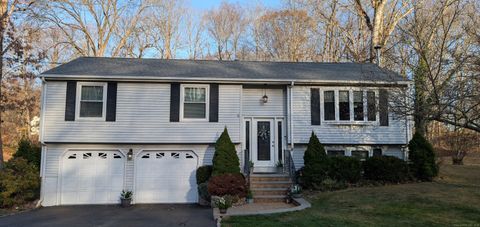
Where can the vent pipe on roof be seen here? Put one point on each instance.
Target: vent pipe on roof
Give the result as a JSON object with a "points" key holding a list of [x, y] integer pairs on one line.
{"points": [[377, 53]]}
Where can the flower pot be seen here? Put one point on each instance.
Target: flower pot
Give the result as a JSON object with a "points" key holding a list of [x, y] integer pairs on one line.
{"points": [[126, 202], [222, 210], [250, 201]]}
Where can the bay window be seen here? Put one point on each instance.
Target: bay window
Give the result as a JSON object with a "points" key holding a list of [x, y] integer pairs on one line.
{"points": [[329, 105], [349, 105], [344, 105]]}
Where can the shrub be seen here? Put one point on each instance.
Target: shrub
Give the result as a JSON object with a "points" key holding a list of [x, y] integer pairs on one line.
{"points": [[29, 151], [345, 169], [203, 174], [228, 184], [203, 191], [225, 159], [329, 184], [316, 163], [422, 157], [19, 183], [386, 169]]}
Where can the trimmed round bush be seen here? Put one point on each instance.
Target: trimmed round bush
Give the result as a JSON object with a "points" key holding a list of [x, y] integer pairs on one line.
{"points": [[345, 169], [386, 169], [228, 184], [203, 174]]}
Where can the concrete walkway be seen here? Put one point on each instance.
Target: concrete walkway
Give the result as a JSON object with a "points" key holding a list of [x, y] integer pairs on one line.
{"points": [[262, 208]]}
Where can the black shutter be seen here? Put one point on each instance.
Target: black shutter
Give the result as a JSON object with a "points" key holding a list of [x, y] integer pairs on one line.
{"points": [[383, 107], [174, 102], [315, 106], [213, 112], [70, 100], [111, 101]]}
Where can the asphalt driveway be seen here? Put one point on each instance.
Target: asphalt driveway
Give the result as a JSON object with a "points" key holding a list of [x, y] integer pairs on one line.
{"points": [[138, 215]]}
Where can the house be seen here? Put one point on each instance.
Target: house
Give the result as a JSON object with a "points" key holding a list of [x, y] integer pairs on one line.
{"points": [[146, 125]]}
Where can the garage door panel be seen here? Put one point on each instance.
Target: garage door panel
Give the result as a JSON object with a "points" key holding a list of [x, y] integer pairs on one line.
{"points": [[166, 177], [92, 177]]}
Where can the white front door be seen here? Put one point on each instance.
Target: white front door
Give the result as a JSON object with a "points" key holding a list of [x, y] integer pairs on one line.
{"points": [[263, 144]]}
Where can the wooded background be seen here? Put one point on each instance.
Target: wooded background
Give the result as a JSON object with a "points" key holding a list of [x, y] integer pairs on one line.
{"points": [[435, 43]]}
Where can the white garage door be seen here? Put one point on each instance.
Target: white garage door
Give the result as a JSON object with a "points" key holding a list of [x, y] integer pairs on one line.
{"points": [[92, 177], [166, 177]]}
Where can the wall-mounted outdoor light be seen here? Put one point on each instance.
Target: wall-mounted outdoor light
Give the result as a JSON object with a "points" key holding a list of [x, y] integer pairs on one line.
{"points": [[130, 155], [265, 97]]}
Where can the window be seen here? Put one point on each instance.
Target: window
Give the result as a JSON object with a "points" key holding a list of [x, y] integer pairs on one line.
{"points": [[377, 152], [329, 105], [362, 155], [335, 153], [358, 105], [91, 98], [195, 102], [344, 105], [372, 108]]}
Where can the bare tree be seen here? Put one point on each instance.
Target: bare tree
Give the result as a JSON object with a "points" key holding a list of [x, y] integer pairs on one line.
{"points": [[8, 40], [90, 26], [225, 25], [386, 15]]}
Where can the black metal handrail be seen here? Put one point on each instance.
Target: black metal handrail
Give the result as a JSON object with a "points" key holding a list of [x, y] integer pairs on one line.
{"points": [[290, 164]]}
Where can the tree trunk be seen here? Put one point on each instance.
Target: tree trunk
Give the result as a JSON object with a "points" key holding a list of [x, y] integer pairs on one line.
{"points": [[420, 117], [2, 32]]}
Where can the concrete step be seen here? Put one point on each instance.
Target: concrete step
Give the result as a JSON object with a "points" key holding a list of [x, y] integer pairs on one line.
{"points": [[269, 191], [270, 184], [270, 177], [269, 198]]}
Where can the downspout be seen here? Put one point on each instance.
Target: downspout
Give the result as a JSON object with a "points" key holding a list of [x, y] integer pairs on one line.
{"points": [[290, 111], [41, 131]]}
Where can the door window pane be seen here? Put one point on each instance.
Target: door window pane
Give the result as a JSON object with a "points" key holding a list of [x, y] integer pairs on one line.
{"points": [[263, 141], [372, 109], [344, 105], [358, 105], [329, 105]]}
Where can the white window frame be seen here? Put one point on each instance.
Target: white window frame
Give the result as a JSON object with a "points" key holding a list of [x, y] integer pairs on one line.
{"points": [[337, 120], [207, 101], [79, 96]]}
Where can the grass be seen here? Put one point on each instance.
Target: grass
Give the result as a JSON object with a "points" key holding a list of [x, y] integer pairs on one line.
{"points": [[451, 200]]}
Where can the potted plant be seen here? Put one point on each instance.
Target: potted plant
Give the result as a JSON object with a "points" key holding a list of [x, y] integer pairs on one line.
{"points": [[249, 196], [250, 163], [279, 167], [223, 203], [126, 198], [296, 191]]}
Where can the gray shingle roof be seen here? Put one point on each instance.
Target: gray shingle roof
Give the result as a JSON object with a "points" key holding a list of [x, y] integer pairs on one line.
{"points": [[130, 68]]}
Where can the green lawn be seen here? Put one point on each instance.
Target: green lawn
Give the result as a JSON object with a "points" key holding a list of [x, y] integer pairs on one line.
{"points": [[453, 199]]}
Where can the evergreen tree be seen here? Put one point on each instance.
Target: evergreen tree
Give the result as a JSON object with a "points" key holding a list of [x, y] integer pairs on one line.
{"points": [[29, 151], [422, 157], [316, 163], [225, 159]]}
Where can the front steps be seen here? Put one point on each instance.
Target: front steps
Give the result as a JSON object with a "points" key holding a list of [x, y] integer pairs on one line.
{"points": [[269, 188]]}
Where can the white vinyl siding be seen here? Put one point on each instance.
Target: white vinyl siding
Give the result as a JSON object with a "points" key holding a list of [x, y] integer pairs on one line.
{"points": [[350, 132], [252, 104], [143, 113]]}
